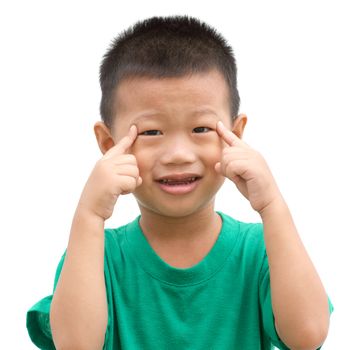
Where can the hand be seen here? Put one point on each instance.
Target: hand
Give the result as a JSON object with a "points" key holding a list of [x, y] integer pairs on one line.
{"points": [[114, 174], [247, 169]]}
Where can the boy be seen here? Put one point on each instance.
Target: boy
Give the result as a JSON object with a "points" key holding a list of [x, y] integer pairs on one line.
{"points": [[181, 275]]}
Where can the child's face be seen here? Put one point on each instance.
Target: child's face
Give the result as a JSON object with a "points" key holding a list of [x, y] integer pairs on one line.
{"points": [[173, 138]]}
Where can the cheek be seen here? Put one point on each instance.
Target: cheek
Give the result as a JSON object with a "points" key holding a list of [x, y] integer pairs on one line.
{"points": [[144, 157], [212, 150]]}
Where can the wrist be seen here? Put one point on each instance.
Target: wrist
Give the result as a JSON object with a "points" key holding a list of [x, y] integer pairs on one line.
{"points": [[86, 213], [102, 209], [86, 224], [278, 205]]}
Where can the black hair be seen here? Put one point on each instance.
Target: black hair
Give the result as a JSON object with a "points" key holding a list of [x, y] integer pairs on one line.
{"points": [[160, 47]]}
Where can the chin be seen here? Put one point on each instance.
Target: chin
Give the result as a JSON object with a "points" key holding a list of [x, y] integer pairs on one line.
{"points": [[178, 211], [162, 204]]}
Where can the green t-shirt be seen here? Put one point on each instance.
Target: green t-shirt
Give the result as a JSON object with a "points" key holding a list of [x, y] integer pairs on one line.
{"points": [[223, 302]]}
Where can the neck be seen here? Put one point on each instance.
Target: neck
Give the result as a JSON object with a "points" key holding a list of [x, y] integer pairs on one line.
{"points": [[203, 224]]}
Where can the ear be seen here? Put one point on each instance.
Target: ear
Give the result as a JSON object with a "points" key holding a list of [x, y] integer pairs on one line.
{"points": [[103, 136], [239, 125]]}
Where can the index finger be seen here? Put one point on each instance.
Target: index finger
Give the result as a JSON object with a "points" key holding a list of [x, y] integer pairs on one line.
{"points": [[126, 142], [227, 135]]}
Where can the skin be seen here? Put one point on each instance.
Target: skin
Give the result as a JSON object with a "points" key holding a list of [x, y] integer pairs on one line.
{"points": [[193, 221], [299, 300]]}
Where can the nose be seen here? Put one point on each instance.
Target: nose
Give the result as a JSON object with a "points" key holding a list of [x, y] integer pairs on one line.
{"points": [[178, 150]]}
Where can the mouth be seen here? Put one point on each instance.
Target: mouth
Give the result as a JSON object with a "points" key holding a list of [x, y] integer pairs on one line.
{"points": [[178, 185], [177, 182]]}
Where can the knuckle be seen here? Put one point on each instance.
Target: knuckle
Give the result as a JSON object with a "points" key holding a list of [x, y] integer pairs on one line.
{"points": [[226, 150], [129, 158], [136, 172], [132, 171], [101, 165], [230, 167], [126, 184], [226, 158]]}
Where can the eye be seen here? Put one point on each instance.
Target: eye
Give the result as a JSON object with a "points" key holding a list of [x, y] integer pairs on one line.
{"points": [[201, 128], [149, 133]]}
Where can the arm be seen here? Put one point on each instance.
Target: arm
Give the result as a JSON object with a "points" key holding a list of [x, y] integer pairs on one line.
{"points": [[299, 301], [78, 314]]}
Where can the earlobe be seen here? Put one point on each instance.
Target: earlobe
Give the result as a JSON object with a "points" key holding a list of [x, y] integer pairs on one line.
{"points": [[103, 136], [239, 125]]}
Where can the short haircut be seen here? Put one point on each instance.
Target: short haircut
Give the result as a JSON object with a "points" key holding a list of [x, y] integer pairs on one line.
{"points": [[164, 47]]}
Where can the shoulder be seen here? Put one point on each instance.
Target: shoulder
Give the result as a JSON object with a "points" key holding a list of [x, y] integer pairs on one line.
{"points": [[250, 243], [115, 235], [115, 238], [251, 232]]}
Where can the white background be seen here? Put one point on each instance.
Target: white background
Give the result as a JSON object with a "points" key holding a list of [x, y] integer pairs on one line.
{"points": [[293, 77]]}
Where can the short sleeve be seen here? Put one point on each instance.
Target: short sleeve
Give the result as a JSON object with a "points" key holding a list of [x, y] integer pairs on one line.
{"points": [[38, 317], [266, 307]]}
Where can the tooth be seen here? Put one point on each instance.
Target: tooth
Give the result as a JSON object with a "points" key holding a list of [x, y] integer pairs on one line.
{"points": [[184, 180]]}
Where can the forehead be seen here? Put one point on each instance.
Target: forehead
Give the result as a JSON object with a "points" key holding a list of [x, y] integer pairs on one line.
{"points": [[195, 94]]}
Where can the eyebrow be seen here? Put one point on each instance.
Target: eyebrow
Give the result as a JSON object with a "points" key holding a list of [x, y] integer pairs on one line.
{"points": [[156, 114]]}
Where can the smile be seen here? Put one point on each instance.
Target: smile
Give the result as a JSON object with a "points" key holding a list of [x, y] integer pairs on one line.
{"points": [[177, 187], [178, 182]]}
